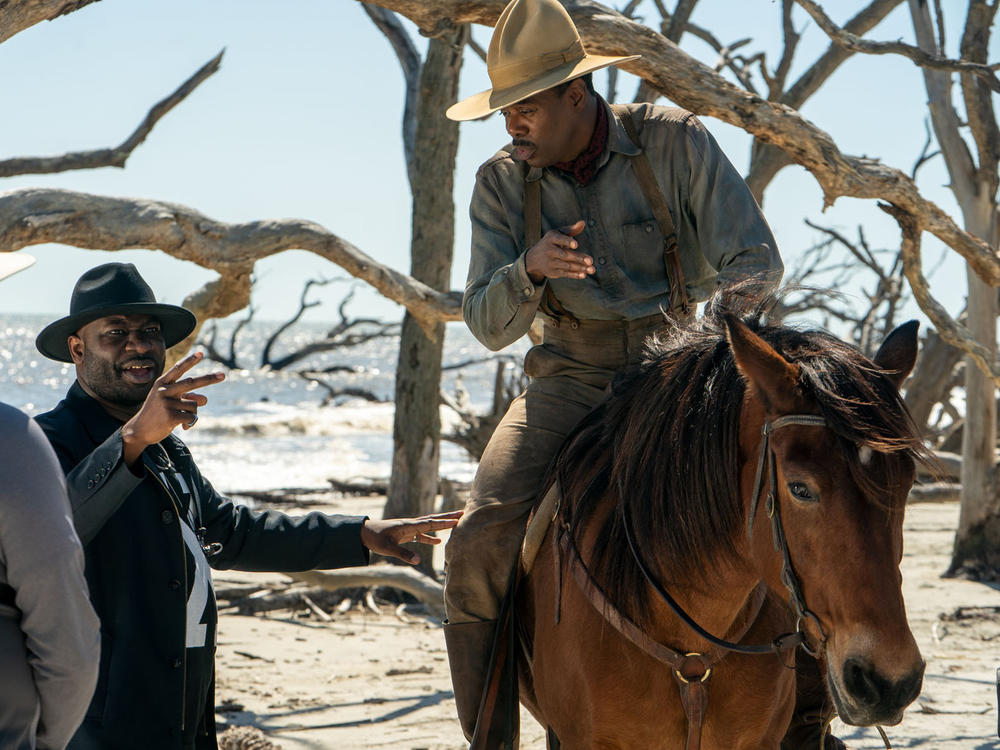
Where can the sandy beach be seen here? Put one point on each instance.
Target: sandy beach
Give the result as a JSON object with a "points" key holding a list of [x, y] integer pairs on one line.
{"points": [[367, 680]]}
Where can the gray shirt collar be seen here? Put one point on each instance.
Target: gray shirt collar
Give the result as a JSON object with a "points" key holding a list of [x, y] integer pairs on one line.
{"points": [[618, 141]]}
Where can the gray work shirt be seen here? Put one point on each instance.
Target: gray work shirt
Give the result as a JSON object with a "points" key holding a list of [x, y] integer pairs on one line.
{"points": [[721, 232]]}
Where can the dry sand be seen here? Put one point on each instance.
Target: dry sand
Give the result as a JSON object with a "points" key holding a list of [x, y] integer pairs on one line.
{"points": [[375, 681]]}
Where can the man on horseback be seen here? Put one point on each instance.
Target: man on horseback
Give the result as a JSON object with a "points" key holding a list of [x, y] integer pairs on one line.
{"points": [[601, 219]]}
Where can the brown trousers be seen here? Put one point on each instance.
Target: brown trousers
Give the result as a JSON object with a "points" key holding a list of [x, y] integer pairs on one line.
{"points": [[569, 373]]}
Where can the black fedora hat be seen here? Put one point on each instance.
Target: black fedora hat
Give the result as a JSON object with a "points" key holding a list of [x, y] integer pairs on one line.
{"points": [[112, 289]]}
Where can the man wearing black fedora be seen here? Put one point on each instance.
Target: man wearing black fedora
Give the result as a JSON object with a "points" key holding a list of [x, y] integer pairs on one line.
{"points": [[151, 525]]}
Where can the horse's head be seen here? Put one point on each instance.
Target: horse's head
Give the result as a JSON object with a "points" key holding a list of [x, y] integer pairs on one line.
{"points": [[840, 486]]}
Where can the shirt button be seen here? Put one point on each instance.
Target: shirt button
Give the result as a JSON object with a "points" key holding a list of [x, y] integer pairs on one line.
{"points": [[602, 261], [167, 517], [177, 663], [649, 228], [174, 584], [592, 223], [527, 290]]}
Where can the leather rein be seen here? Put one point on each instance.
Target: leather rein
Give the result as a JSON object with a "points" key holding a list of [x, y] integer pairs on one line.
{"points": [[692, 670]]}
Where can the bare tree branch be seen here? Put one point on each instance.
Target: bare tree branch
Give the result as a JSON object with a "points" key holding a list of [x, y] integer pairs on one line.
{"points": [[925, 153], [212, 351], [332, 393], [345, 334], [978, 101], [949, 329], [19, 15], [776, 84], [111, 157], [304, 304], [921, 58], [767, 160], [944, 118], [31, 216], [409, 61], [678, 24]]}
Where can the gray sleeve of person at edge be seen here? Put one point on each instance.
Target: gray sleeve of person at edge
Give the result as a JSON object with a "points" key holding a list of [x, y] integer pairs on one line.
{"points": [[42, 560], [732, 232]]}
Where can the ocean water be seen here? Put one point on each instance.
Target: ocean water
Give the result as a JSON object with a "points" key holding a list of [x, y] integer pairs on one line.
{"points": [[266, 429]]}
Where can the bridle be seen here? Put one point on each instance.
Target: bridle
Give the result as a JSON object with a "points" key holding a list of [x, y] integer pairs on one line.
{"points": [[788, 576], [692, 670]]}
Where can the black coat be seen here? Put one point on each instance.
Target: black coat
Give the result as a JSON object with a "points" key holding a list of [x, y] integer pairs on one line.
{"points": [[143, 539]]}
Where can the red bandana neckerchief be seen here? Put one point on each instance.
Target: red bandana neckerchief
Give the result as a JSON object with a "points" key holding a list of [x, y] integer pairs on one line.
{"points": [[584, 166]]}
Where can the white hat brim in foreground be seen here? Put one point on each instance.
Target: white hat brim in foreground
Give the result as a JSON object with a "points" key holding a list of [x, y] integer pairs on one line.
{"points": [[11, 263]]}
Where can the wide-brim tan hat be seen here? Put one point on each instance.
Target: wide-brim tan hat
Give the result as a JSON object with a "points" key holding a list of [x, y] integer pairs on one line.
{"points": [[11, 263], [535, 46]]}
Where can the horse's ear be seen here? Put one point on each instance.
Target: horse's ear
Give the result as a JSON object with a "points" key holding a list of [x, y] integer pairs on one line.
{"points": [[898, 352], [772, 376]]}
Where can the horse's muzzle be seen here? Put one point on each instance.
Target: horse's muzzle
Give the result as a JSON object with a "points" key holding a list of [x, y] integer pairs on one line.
{"points": [[865, 697]]}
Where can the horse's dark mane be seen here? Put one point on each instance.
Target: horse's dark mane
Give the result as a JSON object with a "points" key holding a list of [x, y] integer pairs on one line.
{"points": [[665, 445]]}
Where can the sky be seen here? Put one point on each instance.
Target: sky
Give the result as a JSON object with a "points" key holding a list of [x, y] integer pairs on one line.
{"points": [[303, 121]]}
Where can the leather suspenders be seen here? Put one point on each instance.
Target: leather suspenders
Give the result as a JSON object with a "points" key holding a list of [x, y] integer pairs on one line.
{"points": [[679, 302]]}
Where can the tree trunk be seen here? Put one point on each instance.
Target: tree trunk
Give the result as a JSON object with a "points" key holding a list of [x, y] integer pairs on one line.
{"points": [[931, 378], [976, 553], [416, 429]]}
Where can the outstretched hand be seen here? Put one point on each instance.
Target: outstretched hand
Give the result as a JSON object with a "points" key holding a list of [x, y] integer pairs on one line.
{"points": [[170, 402], [386, 536]]}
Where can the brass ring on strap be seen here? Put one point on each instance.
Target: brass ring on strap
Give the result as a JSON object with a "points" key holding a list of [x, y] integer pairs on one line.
{"points": [[703, 678]]}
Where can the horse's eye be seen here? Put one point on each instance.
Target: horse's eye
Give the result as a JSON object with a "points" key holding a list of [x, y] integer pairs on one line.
{"points": [[801, 492]]}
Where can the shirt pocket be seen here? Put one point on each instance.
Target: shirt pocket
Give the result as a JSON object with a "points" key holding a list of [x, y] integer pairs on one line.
{"points": [[642, 244]]}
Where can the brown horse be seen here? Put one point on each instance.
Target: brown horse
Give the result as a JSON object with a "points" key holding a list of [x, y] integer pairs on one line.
{"points": [[756, 476]]}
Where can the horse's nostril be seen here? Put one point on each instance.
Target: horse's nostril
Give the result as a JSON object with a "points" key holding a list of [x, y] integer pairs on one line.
{"points": [[862, 682]]}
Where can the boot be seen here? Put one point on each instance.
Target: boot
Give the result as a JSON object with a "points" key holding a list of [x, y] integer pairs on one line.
{"points": [[813, 709], [471, 655], [469, 646]]}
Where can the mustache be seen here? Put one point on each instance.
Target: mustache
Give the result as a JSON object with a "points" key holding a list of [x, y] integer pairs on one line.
{"points": [[523, 142]]}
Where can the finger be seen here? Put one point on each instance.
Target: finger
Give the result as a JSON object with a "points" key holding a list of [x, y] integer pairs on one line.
{"points": [[424, 527], [185, 418], [573, 229], [190, 384], [563, 241], [181, 367], [456, 514], [193, 399], [394, 550]]}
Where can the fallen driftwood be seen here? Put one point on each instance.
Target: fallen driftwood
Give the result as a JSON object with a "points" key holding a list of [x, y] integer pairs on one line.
{"points": [[935, 493], [417, 585], [268, 600], [947, 467], [245, 738]]}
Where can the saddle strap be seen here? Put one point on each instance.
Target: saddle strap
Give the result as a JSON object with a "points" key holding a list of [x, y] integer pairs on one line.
{"points": [[691, 666], [538, 524], [691, 670], [694, 698]]}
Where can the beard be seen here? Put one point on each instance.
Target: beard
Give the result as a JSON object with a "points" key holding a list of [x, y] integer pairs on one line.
{"points": [[108, 380]]}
